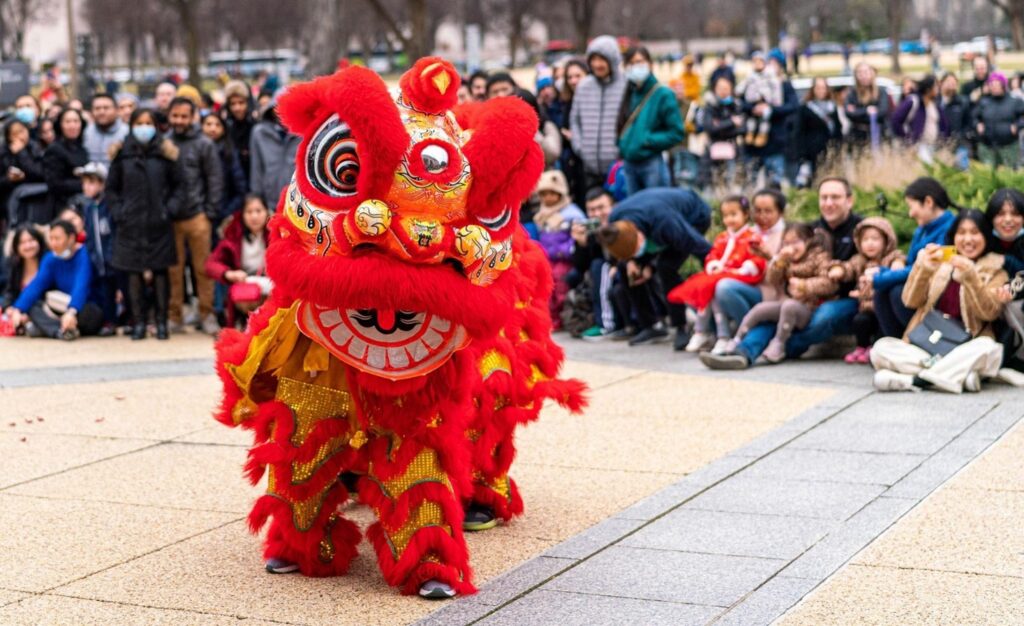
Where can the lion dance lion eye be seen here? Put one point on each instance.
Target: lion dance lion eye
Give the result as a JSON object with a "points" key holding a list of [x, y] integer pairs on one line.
{"points": [[332, 159]]}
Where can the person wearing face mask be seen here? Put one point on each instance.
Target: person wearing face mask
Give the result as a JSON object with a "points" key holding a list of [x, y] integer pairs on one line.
{"points": [[721, 117], [21, 163], [58, 303], [144, 192], [649, 123], [26, 111]]}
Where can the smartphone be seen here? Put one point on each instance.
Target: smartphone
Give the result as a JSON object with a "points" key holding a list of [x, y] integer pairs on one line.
{"points": [[592, 224], [948, 252]]}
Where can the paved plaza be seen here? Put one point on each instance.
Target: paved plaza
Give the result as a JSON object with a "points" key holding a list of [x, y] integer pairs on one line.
{"points": [[682, 496]]}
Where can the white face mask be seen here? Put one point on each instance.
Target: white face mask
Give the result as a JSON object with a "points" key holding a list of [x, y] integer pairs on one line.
{"points": [[66, 254], [638, 72]]}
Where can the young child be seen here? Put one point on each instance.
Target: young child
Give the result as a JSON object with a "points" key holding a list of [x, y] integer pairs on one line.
{"points": [[800, 270], [762, 86], [99, 241], [876, 248], [731, 256], [554, 219]]}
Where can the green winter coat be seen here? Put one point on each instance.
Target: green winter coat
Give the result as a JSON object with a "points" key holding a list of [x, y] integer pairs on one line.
{"points": [[656, 128]]}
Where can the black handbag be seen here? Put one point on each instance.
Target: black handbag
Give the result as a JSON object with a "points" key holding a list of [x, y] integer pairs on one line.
{"points": [[938, 334]]}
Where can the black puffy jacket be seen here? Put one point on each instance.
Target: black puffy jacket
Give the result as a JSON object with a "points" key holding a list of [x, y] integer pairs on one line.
{"points": [[144, 189], [1001, 118]]}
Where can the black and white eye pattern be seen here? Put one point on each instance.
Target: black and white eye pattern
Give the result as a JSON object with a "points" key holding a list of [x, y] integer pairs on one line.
{"points": [[332, 160]]}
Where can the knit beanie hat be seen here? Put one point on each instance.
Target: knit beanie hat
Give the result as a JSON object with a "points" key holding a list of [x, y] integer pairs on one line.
{"points": [[998, 77], [235, 89], [619, 239], [190, 92], [554, 180]]}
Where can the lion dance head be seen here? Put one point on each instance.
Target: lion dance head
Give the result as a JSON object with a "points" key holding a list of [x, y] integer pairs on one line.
{"points": [[398, 225]]}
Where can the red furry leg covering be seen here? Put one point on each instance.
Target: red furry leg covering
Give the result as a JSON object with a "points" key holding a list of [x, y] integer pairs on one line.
{"points": [[419, 533], [326, 549]]}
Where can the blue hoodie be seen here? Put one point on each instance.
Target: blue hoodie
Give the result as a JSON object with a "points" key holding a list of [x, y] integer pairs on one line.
{"points": [[932, 232], [72, 276]]}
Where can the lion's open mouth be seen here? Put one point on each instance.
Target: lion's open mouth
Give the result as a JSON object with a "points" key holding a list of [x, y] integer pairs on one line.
{"points": [[391, 344]]}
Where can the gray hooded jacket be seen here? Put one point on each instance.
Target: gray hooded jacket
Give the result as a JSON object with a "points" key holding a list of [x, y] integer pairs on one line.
{"points": [[595, 110]]}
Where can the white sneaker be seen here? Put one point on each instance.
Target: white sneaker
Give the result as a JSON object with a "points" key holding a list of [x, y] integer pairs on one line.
{"points": [[210, 325], [722, 346], [888, 380], [972, 383], [700, 342], [1011, 377]]}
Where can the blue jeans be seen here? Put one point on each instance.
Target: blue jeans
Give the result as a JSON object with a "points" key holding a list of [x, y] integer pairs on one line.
{"points": [[834, 317], [893, 316], [645, 174], [774, 168], [736, 298]]}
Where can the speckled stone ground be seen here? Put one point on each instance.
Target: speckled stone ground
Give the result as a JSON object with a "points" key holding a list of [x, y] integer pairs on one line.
{"points": [[958, 558], [121, 501]]}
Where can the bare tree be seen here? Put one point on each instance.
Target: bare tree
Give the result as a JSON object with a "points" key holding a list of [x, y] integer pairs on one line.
{"points": [[15, 17], [773, 15], [896, 10], [1014, 11], [188, 13], [416, 42], [514, 16], [583, 13]]}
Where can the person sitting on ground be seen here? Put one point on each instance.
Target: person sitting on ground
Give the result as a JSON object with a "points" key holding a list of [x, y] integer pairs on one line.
{"points": [[964, 284], [731, 256], [929, 206], [876, 248], [800, 272], [27, 247], [834, 317], [588, 259], [58, 302], [554, 219], [145, 190], [99, 241], [1006, 214], [240, 259], [734, 297], [653, 232]]}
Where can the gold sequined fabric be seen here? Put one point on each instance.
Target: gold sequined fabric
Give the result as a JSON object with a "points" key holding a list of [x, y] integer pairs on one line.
{"points": [[494, 361], [423, 468], [311, 403]]}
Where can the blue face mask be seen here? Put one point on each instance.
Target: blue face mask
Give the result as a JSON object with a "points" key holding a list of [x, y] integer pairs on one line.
{"points": [[1020, 233], [638, 73], [25, 115], [727, 100], [144, 134]]}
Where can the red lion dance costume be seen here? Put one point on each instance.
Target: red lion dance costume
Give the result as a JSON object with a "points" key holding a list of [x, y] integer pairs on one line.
{"points": [[407, 334]]}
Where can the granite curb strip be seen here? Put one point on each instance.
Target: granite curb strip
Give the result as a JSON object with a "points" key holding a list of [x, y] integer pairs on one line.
{"points": [[104, 372], [696, 542]]}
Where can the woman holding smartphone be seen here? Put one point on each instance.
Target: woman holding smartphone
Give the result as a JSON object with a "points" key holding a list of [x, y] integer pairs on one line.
{"points": [[20, 162]]}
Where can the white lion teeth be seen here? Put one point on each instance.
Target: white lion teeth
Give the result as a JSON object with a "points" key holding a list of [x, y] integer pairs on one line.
{"points": [[439, 324], [397, 358], [432, 339], [418, 351], [375, 358], [330, 318], [357, 348], [340, 334]]}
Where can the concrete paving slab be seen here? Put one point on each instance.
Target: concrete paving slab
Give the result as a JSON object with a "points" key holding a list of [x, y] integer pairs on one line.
{"points": [[837, 548], [831, 501], [835, 466], [219, 435], [179, 476], [15, 351], [27, 456], [666, 576], [885, 438], [679, 492], [738, 534], [512, 583], [864, 594], [575, 609], [8, 596], [973, 531], [156, 409], [593, 539], [63, 610], [768, 601], [75, 539]]}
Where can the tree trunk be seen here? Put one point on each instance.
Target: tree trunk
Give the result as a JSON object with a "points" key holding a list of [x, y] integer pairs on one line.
{"points": [[895, 10], [418, 24], [1017, 27], [773, 10], [583, 20]]}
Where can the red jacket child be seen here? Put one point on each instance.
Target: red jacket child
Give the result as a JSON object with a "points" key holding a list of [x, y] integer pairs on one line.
{"points": [[730, 257]]}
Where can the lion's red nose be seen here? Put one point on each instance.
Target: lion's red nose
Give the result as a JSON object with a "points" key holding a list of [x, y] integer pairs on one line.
{"points": [[386, 319]]}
